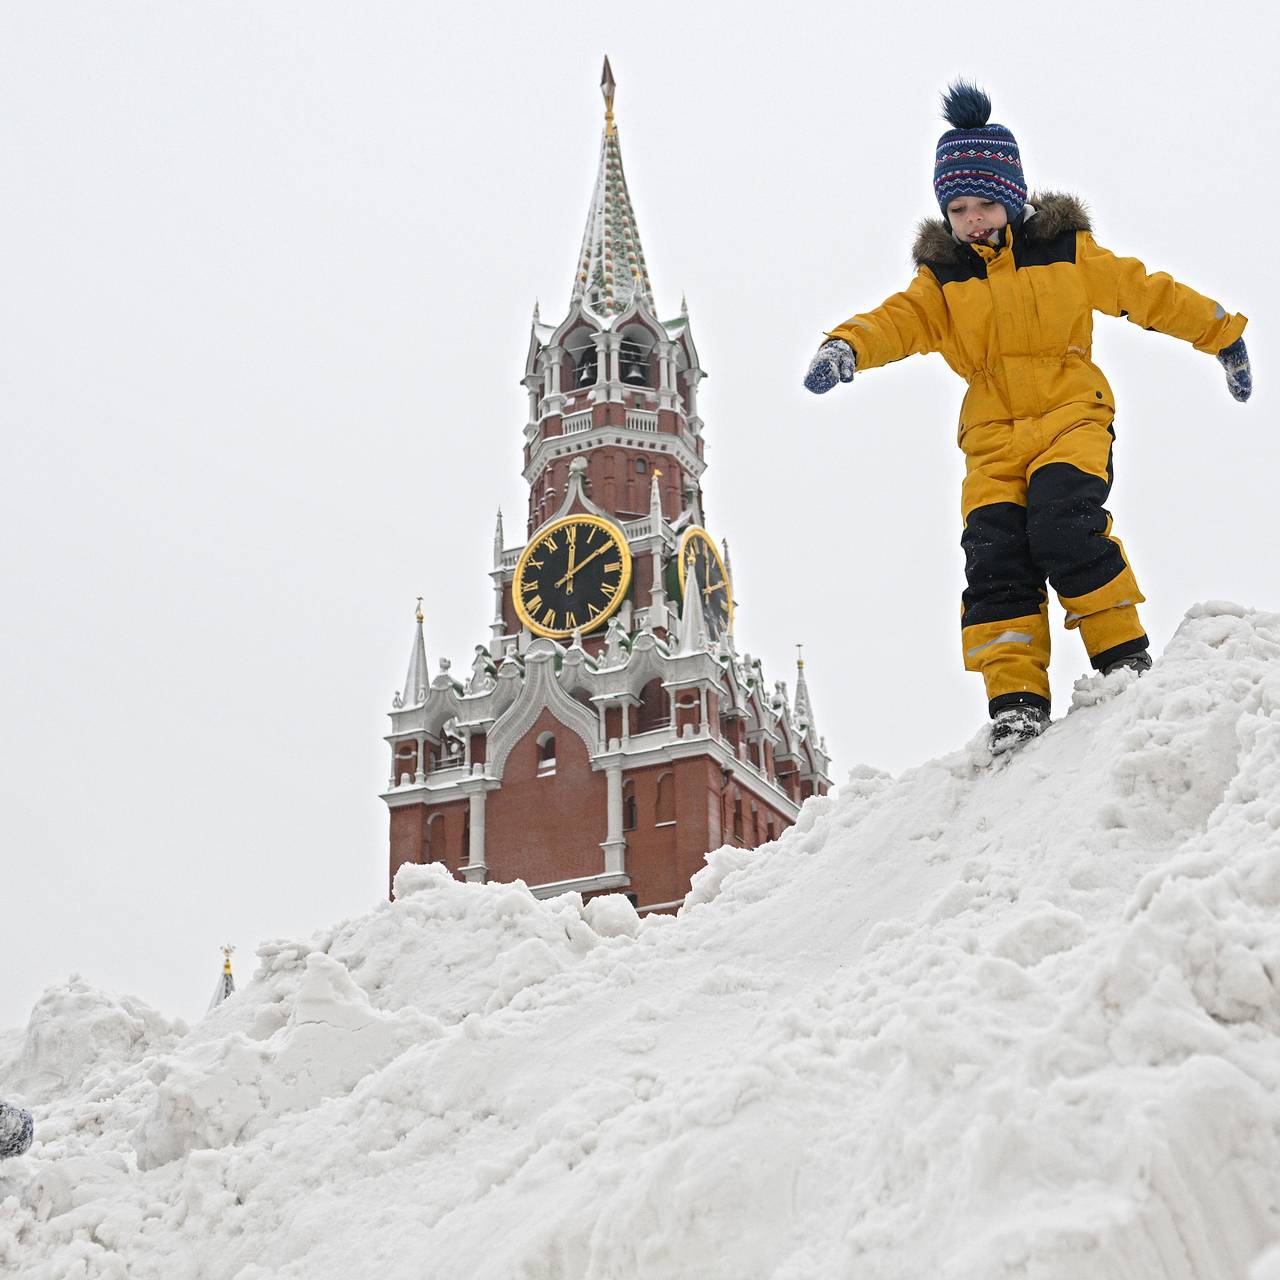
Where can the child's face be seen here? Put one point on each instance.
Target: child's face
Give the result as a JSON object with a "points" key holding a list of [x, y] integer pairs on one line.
{"points": [[973, 219]]}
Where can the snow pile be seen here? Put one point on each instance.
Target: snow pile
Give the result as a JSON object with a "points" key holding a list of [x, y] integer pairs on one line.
{"points": [[979, 1021]]}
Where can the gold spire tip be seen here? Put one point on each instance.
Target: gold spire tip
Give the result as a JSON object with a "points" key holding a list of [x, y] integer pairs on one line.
{"points": [[608, 86], [418, 615], [800, 656], [226, 957]]}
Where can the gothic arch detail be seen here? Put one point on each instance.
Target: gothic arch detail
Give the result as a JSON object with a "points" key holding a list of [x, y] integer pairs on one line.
{"points": [[541, 691]]}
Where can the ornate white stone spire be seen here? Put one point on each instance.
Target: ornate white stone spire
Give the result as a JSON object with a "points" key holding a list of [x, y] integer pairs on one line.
{"points": [[226, 982], [803, 709], [611, 269], [418, 678], [655, 501], [497, 542], [693, 626]]}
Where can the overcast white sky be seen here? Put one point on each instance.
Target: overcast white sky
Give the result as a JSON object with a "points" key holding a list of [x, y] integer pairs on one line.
{"points": [[269, 272]]}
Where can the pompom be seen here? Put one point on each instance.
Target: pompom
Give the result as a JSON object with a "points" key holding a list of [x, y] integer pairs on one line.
{"points": [[966, 106]]}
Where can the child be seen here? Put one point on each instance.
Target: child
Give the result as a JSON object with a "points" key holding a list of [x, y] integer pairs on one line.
{"points": [[1005, 289]]}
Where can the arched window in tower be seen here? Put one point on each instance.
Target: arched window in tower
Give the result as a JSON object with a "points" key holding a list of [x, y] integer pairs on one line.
{"points": [[655, 710], [546, 754], [582, 351], [664, 814], [642, 467], [737, 815], [628, 806], [635, 356], [435, 850]]}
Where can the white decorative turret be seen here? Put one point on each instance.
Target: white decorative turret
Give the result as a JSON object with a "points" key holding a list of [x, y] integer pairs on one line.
{"points": [[694, 637], [803, 708], [226, 982], [498, 542], [418, 678]]}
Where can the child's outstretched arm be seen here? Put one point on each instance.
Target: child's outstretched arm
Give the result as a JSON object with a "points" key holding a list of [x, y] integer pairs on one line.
{"points": [[909, 323], [1122, 287]]}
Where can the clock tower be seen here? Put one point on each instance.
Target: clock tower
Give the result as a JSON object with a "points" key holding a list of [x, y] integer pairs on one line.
{"points": [[610, 733]]}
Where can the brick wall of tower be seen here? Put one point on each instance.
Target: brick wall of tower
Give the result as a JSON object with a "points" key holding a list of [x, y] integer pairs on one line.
{"points": [[541, 828], [429, 833], [614, 484], [544, 827]]}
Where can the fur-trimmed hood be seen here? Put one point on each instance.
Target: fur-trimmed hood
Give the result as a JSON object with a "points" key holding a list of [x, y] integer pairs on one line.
{"points": [[1055, 212]]}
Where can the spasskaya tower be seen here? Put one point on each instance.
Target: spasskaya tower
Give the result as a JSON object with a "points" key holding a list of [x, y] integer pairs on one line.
{"points": [[610, 733]]}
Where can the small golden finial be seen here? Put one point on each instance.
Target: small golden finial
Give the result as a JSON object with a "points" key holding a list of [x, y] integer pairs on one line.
{"points": [[657, 472], [800, 656], [607, 86], [227, 949], [419, 613]]}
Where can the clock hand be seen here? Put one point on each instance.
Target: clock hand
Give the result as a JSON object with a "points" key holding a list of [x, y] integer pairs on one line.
{"points": [[608, 546], [573, 551], [715, 586]]}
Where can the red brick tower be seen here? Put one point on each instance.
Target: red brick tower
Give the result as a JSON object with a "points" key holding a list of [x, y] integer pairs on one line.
{"points": [[609, 734]]}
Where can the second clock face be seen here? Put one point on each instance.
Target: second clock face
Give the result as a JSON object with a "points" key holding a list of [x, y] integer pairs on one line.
{"points": [[572, 577], [698, 548]]}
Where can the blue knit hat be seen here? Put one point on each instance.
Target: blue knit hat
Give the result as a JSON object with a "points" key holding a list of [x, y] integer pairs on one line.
{"points": [[976, 158]]}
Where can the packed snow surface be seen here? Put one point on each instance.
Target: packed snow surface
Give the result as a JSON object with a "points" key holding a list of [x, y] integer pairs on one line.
{"points": [[983, 1020]]}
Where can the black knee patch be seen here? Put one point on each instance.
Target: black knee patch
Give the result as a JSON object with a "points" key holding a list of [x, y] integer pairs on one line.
{"points": [[1003, 580], [1066, 521]]}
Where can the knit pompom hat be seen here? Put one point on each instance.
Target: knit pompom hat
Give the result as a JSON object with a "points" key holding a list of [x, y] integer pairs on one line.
{"points": [[975, 158]]}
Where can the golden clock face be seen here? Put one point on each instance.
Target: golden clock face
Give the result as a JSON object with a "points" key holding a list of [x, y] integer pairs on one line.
{"points": [[697, 547], [573, 577]]}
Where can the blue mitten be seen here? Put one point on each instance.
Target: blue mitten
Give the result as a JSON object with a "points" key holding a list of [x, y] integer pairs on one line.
{"points": [[833, 363], [1235, 360]]}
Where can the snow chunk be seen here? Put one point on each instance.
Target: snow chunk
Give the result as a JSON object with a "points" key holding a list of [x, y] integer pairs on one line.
{"points": [[76, 1031]]}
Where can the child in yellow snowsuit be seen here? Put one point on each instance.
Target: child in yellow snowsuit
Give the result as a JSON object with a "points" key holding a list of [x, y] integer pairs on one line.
{"points": [[1005, 289]]}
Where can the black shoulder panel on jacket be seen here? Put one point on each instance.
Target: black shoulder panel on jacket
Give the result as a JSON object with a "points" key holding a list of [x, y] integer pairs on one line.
{"points": [[952, 272], [1029, 251]]}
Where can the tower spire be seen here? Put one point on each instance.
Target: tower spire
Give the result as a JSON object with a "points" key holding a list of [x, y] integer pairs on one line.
{"points": [[608, 86], [693, 626], [418, 678], [226, 983], [803, 706], [611, 268]]}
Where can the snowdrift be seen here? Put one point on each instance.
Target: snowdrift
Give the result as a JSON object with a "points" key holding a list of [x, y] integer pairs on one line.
{"points": [[978, 1021]]}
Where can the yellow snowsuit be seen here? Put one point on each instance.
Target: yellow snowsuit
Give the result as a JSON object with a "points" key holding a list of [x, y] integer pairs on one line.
{"points": [[1015, 320]]}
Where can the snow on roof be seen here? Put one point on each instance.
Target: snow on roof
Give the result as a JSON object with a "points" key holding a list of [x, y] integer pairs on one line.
{"points": [[980, 1020]]}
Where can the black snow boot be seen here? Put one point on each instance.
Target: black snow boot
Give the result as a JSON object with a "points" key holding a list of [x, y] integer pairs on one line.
{"points": [[1138, 662], [1013, 726]]}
